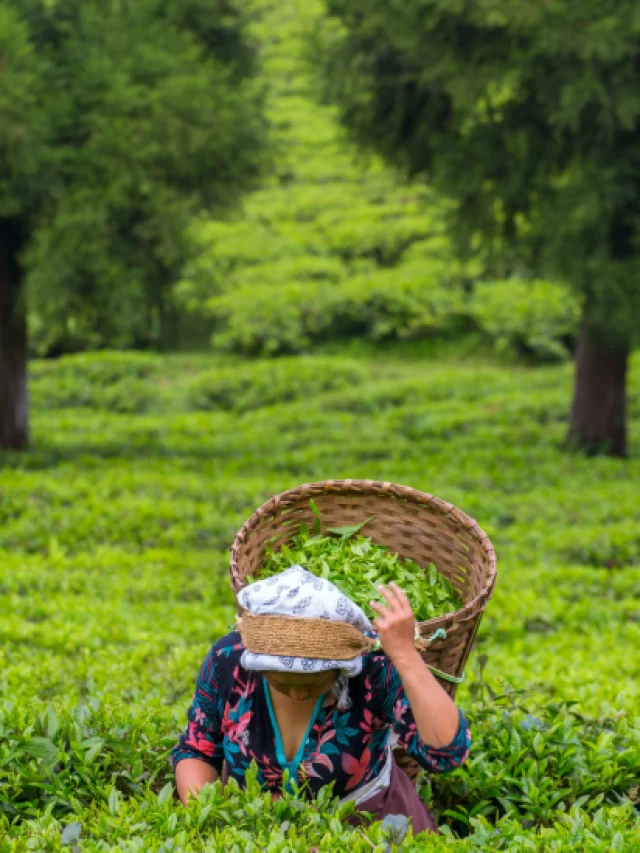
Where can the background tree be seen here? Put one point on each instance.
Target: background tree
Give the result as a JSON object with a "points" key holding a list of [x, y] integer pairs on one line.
{"points": [[118, 122], [528, 114]]}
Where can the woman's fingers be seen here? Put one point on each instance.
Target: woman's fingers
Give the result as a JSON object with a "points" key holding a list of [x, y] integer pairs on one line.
{"points": [[391, 597], [396, 597], [401, 595], [379, 607], [398, 610]]}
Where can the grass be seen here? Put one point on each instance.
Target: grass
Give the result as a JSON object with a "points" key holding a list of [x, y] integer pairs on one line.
{"points": [[114, 531]]}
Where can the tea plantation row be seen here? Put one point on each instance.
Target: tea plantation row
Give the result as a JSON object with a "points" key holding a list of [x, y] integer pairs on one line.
{"points": [[350, 251], [114, 535]]}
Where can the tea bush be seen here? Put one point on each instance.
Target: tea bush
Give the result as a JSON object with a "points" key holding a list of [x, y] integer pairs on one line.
{"points": [[380, 305], [259, 384], [114, 536], [537, 318], [334, 248]]}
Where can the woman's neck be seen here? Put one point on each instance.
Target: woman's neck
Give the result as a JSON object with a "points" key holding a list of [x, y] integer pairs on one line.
{"points": [[289, 707]]}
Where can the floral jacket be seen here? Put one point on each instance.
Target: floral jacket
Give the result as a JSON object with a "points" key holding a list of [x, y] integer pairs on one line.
{"points": [[231, 719]]}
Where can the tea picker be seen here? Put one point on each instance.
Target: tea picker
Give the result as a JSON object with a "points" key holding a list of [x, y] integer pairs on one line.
{"points": [[315, 692]]}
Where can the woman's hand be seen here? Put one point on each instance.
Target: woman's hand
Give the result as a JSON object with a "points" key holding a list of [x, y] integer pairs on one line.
{"points": [[396, 624], [435, 714]]}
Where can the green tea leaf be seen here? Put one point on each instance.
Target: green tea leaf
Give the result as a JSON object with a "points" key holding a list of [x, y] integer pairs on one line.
{"points": [[52, 723], [42, 748], [70, 834], [349, 530], [317, 526], [114, 801], [165, 793], [355, 565]]}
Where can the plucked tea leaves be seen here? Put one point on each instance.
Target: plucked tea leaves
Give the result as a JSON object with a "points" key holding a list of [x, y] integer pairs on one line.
{"points": [[356, 566]]}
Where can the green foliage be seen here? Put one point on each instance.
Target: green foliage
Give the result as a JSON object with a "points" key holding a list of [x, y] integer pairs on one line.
{"points": [[114, 536], [533, 762], [111, 380], [536, 320], [259, 384], [379, 306], [19, 114], [533, 318], [495, 102], [103, 771], [115, 152], [356, 566], [334, 249]]}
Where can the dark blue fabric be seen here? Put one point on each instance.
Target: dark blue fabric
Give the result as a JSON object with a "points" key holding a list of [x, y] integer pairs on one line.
{"points": [[229, 720]]}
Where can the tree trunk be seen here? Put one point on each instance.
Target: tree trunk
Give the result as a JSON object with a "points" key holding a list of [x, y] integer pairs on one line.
{"points": [[598, 422], [14, 405]]}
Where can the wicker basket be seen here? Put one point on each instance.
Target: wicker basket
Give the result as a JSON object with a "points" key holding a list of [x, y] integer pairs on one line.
{"points": [[415, 525]]}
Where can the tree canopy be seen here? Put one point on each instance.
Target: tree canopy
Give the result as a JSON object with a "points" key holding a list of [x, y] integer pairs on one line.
{"points": [[527, 114], [119, 121]]}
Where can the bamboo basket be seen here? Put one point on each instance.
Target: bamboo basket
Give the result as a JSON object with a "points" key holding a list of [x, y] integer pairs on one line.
{"points": [[416, 526]]}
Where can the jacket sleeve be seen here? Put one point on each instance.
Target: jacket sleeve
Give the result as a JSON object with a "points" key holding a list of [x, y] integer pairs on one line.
{"points": [[203, 737], [387, 699]]}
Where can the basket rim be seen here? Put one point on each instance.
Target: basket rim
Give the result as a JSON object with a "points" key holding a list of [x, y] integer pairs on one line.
{"points": [[380, 489]]}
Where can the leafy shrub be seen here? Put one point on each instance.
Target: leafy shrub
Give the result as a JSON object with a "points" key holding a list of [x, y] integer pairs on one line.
{"points": [[411, 302], [536, 318], [611, 546], [531, 762], [530, 767], [256, 321], [103, 368], [116, 381], [377, 306], [259, 384], [340, 250]]}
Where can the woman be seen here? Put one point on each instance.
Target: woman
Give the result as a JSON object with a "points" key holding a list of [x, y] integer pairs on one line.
{"points": [[303, 688]]}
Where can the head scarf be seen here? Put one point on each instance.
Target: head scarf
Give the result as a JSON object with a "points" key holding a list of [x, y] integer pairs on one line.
{"points": [[296, 592]]}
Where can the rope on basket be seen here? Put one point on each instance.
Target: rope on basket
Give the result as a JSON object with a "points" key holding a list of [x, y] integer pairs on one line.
{"points": [[422, 643]]}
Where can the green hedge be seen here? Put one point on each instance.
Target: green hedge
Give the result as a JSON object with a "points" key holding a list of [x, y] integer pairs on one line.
{"points": [[533, 319], [259, 384], [105, 771]]}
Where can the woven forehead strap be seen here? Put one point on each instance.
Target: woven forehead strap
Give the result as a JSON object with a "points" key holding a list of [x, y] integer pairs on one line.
{"points": [[292, 636]]}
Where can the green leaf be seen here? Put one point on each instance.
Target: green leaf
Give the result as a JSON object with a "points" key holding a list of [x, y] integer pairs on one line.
{"points": [[165, 793], [71, 833], [42, 748], [52, 723], [91, 753], [91, 742], [617, 842], [317, 526], [114, 801], [349, 530], [203, 814]]}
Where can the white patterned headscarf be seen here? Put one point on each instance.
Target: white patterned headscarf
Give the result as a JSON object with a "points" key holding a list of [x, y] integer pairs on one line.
{"points": [[296, 592]]}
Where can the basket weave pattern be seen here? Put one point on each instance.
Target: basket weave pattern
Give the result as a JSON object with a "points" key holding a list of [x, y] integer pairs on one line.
{"points": [[415, 525]]}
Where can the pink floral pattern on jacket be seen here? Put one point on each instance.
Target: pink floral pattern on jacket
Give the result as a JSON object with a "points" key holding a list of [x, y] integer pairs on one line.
{"points": [[229, 721]]}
